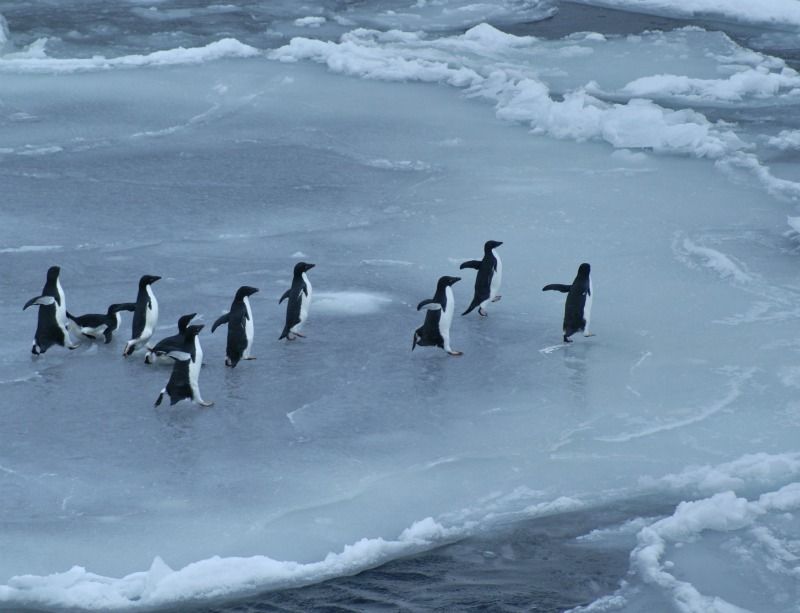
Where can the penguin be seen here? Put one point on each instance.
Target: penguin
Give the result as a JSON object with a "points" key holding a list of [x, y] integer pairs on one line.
{"points": [[52, 326], [299, 296], [435, 331], [240, 327], [158, 352], [488, 279], [96, 325], [184, 381], [578, 309], [145, 315]]}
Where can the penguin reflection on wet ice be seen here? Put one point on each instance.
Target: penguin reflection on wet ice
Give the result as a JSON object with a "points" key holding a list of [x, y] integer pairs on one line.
{"points": [[435, 331], [578, 308], [52, 325]]}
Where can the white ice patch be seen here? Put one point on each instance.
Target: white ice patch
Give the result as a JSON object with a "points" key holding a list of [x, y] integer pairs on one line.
{"points": [[786, 140], [349, 303], [31, 248], [214, 577], [309, 22], [36, 61], [781, 14], [690, 252], [470, 61]]}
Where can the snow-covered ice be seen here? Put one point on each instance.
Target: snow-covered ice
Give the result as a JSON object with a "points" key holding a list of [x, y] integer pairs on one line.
{"points": [[386, 153]]}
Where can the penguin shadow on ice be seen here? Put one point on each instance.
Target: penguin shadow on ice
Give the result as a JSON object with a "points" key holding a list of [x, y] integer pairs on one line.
{"points": [[299, 301], [435, 330], [241, 329], [488, 279], [52, 327], [578, 306]]}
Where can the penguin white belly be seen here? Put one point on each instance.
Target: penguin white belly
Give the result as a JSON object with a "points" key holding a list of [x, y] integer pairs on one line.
{"points": [[305, 303], [118, 317], [94, 332], [150, 317], [248, 328], [587, 308], [61, 313], [497, 278], [447, 318], [194, 371]]}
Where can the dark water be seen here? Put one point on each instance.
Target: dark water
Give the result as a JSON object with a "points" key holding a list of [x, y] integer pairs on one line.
{"points": [[535, 565]]}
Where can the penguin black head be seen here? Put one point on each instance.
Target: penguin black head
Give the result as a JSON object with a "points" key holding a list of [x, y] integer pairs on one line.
{"points": [[193, 330], [448, 281], [183, 322], [245, 291], [489, 245], [584, 269], [52, 273], [147, 280], [302, 267]]}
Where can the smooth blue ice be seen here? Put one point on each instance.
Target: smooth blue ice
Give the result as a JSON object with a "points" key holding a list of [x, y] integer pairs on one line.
{"points": [[387, 158]]}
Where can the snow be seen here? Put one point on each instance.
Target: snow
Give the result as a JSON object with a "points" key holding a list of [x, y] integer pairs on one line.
{"points": [[781, 14], [387, 157]]}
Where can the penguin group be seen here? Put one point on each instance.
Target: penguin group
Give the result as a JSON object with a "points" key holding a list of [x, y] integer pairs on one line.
{"points": [[435, 330], [57, 326]]}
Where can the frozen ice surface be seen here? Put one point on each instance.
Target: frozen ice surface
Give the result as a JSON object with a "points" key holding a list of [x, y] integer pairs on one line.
{"points": [[344, 450]]}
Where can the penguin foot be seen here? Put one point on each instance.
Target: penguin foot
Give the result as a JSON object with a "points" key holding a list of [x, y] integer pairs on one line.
{"points": [[35, 350], [566, 340], [482, 313], [496, 299], [290, 337], [587, 335], [300, 335], [206, 403], [455, 353], [71, 347], [250, 357]]}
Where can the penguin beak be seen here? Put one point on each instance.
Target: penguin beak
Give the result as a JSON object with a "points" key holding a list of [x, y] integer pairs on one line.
{"points": [[310, 266], [456, 279], [154, 278]]}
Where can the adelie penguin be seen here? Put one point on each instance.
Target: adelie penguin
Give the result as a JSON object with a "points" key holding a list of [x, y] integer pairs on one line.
{"points": [[435, 331], [97, 325], [145, 315], [52, 325], [240, 327], [299, 296], [158, 352], [488, 279], [578, 309], [183, 383]]}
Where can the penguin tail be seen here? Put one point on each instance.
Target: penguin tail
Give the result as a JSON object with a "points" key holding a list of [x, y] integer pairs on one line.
{"points": [[159, 399], [414, 342], [284, 334]]}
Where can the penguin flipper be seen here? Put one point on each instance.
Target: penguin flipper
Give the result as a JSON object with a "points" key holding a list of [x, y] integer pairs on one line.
{"points": [[123, 306], [429, 305], [160, 398], [476, 264], [221, 320], [40, 301], [558, 287], [285, 295]]}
